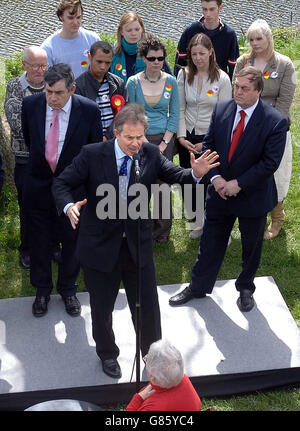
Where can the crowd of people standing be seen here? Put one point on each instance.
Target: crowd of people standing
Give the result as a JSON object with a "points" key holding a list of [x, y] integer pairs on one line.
{"points": [[72, 92]]}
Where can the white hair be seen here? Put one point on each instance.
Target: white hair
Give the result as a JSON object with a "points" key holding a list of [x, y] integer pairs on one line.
{"points": [[33, 50], [164, 363]]}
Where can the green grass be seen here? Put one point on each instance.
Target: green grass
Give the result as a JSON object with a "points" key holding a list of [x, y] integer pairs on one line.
{"points": [[174, 260]]}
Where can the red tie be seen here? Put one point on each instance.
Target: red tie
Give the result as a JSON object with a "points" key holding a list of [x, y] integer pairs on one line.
{"points": [[52, 140], [237, 135]]}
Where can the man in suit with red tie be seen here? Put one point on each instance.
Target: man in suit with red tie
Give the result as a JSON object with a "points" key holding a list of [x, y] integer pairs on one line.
{"points": [[55, 124], [249, 136]]}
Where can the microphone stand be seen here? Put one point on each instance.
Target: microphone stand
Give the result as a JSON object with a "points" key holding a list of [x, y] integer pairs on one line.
{"points": [[138, 288]]}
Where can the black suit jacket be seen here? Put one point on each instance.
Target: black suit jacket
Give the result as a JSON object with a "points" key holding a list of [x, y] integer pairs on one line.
{"points": [[99, 241], [84, 127], [254, 162]]}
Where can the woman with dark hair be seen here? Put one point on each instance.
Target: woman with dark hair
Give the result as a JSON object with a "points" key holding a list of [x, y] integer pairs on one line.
{"points": [[127, 61], [201, 85], [158, 92]]}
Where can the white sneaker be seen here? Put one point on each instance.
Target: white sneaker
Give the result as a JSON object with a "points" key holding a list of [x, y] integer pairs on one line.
{"points": [[196, 233]]}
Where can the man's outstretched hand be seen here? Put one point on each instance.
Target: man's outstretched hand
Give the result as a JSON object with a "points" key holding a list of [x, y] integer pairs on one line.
{"points": [[73, 212], [204, 163]]}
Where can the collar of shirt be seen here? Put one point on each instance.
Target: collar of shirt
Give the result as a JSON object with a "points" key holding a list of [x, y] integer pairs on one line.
{"points": [[66, 109], [120, 154], [25, 84], [249, 111]]}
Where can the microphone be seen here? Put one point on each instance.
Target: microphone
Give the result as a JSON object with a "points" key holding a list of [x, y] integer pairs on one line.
{"points": [[136, 164]]}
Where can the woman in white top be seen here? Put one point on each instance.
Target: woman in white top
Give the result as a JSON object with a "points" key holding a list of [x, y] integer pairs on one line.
{"points": [[201, 85]]}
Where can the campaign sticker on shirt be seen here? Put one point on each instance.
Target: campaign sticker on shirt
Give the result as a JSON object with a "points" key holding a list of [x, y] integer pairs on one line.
{"points": [[169, 87], [105, 98], [267, 75], [210, 93], [119, 66], [86, 53], [215, 89], [167, 95], [84, 63], [274, 75], [124, 73]]}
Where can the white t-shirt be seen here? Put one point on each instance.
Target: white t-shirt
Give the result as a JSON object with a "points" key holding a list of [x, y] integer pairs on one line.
{"points": [[73, 52]]}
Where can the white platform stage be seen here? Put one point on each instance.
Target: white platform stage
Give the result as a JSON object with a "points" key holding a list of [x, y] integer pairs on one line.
{"points": [[225, 351]]}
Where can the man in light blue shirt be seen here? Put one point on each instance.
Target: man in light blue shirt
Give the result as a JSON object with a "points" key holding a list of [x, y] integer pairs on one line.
{"points": [[72, 42]]}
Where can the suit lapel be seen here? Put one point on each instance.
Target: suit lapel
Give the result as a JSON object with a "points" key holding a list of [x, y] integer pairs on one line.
{"points": [[228, 119], [41, 113], [74, 118], [110, 164], [250, 131]]}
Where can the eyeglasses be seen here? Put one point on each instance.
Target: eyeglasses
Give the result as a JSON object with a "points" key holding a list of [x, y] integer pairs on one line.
{"points": [[36, 67], [155, 58]]}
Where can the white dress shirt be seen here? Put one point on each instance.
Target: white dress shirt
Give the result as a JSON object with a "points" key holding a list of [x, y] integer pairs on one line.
{"points": [[63, 124]]}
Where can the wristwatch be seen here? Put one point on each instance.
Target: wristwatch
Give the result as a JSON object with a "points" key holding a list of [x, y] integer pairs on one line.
{"points": [[165, 141]]}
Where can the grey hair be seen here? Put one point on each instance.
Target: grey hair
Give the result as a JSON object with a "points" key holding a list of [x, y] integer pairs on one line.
{"points": [[60, 71], [132, 113], [165, 364], [33, 49]]}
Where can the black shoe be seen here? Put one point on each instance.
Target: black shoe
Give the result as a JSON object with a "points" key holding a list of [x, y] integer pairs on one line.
{"points": [[185, 296], [25, 261], [112, 368], [40, 306], [72, 305], [56, 256], [245, 301]]}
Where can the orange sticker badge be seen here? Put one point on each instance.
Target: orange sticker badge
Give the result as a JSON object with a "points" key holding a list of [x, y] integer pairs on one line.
{"points": [[267, 75], [169, 87], [119, 66], [210, 93], [84, 63]]}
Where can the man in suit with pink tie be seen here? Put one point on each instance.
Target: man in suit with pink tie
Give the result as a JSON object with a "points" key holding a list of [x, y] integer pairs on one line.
{"points": [[56, 124]]}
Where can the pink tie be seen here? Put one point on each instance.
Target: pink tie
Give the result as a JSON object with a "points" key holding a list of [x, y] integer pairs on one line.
{"points": [[52, 141]]}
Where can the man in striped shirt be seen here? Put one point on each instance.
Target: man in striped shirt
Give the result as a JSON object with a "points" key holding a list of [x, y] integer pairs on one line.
{"points": [[99, 85]]}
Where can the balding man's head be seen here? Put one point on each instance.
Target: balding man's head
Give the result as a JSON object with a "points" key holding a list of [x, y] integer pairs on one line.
{"points": [[35, 64]]}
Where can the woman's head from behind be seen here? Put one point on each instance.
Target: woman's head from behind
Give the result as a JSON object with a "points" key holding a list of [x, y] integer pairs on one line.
{"points": [[164, 364]]}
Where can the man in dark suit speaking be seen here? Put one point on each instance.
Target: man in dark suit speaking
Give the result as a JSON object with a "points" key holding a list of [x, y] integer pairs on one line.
{"points": [[107, 247], [55, 124], [249, 136]]}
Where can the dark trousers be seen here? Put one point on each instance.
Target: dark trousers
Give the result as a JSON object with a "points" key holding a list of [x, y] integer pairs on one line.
{"points": [[19, 177], [103, 289], [40, 227], [213, 244], [162, 225], [184, 161]]}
